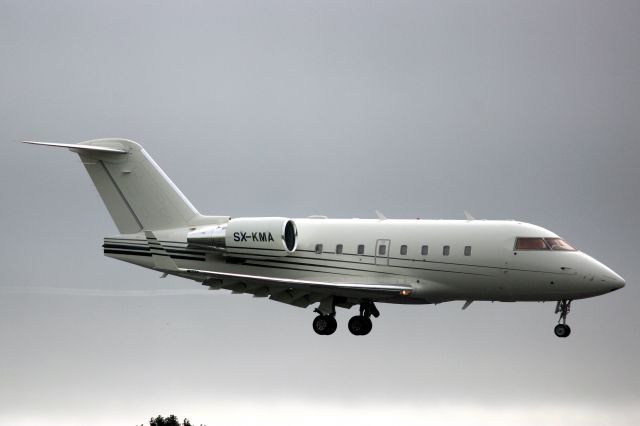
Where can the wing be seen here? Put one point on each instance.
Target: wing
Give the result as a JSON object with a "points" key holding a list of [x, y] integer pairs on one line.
{"points": [[295, 292], [292, 291]]}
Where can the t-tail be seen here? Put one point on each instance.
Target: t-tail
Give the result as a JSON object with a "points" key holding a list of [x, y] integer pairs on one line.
{"points": [[137, 193]]}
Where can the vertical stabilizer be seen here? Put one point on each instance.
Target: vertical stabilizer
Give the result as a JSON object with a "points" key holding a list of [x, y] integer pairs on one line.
{"points": [[135, 190]]}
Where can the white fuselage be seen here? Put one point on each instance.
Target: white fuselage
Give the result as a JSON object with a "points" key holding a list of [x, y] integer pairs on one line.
{"points": [[332, 262], [481, 264]]}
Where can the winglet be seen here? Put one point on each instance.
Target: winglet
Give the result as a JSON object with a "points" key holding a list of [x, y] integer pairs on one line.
{"points": [[159, 255], [468, 215], [466, 304], [80, 147]]}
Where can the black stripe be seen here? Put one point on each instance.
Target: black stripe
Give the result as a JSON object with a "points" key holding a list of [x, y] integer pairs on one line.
{"points": [[161, 252], [408, 267], [130, 243], [160, 248], [196, 253], [187, 258], [124, 246], [128, 253], [148, 254], [183, 255], [396, 258], [281, 260], [171, 249], [497, 268]]}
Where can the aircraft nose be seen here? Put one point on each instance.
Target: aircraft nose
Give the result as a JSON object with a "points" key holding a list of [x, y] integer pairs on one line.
{"points": [[610, 280], [617, 282], [601, 277]]}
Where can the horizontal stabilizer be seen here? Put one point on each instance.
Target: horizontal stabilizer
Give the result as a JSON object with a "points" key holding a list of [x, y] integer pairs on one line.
{"points": [[80, 148]]}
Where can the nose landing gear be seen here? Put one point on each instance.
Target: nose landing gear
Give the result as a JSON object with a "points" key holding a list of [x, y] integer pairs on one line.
{"points": [[563, 307]]}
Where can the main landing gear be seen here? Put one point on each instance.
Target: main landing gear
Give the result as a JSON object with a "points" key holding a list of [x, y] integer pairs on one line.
{"points": [[361, 325], [325, 323], [563, 307]]}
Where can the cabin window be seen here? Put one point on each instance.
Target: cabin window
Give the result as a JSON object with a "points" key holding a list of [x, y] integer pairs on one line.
{"points": [[339, 249], [382, 250], [318, 248], [446, 250], [360, 248], [467, 250], [403, 250], [527, 243], [425, 250]]}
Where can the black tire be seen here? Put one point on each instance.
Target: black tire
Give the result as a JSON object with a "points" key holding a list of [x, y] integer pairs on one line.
{"points": [[360, 325], [562, 330], [325, 325], [368, 325], [333, 325], [355, 325], [321, 324]]}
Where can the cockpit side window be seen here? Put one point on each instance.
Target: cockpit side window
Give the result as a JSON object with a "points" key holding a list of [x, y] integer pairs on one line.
{"points": [[529, 243], [559, 244]]}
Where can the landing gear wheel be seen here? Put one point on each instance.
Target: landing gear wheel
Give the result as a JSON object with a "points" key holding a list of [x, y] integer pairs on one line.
{"points": [[368, 326], [324, 325], [333, 325], [563, 308], [360, 325], [562, 330]]}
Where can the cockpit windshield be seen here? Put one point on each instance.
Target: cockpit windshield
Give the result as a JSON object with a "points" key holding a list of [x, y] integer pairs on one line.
{"points": [[525, 243], [559, 244], [534, 243]]}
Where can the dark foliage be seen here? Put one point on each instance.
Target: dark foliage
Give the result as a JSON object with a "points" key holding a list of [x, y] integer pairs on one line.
{"points": [[172, 420]]}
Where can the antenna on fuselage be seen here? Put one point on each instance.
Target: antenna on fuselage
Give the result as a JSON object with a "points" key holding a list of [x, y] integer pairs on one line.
{"points": [[380, 215]]}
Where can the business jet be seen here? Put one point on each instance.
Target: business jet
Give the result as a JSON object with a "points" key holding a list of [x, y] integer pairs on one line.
{"points": [[334, 263]]}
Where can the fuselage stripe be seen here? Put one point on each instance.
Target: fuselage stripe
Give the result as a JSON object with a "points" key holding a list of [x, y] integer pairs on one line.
{"points": [[128, 253], [361, 264]]}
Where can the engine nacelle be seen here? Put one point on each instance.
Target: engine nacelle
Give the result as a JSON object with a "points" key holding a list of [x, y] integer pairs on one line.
{"points": [[277, 236]]}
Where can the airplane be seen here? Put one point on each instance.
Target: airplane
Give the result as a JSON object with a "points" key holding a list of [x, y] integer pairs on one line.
{"points": [[334, 263]]}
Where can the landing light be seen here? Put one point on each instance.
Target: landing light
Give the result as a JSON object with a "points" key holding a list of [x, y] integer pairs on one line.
{"points": [[405, 292]]}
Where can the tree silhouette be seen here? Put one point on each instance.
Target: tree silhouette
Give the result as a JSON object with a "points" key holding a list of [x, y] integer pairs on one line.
{"points": [[172, 420]]}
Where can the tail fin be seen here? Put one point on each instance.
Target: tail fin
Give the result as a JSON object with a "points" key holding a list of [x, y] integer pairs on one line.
{"points": [[137, 193]]}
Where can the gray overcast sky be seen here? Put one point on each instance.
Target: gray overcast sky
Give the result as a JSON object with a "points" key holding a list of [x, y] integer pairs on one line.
{"points": [[527, 110]]}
